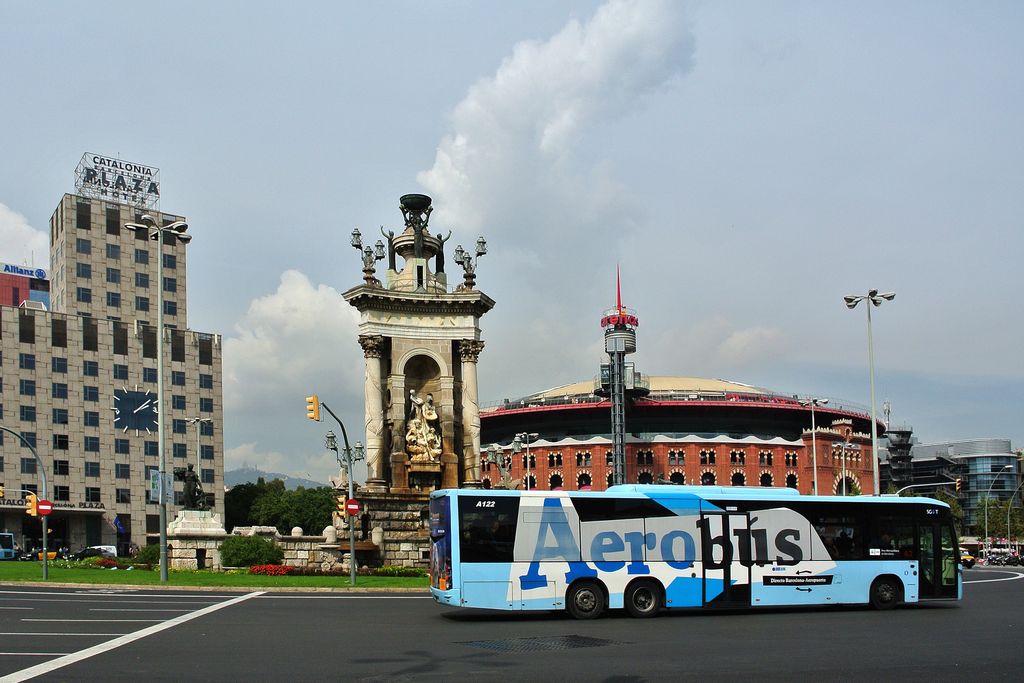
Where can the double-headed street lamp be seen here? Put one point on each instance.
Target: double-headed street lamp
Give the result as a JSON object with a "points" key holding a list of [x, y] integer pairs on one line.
{"points": [[351, 454], [812, 402], [988, 543], [176, 232], [1009, 507], [517, 447], [198, 422], [875, 299]]}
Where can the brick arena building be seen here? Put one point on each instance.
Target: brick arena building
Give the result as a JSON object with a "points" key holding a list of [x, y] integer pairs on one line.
{"points": [[681, 430]]}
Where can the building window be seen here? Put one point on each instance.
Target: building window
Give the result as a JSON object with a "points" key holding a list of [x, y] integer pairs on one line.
{"points": [[206, 452], [91, 393], [114, 252], [764, 458], [142, 280], [28, 465], [141, 256], [738, 479], [113, 276], [206, 428], [59, 364], [60, 442], [27, 327], [707, 479], [170, 262], [766, 479], [92, 494], [92, 444], [707, 457], [60, 416], [791, 480], [91, 418], [91, 368], [30, 438], [82, 216], [206, 406], [83, 270], [208, 477], [83, 246], [122, 446], [177, 402], [141, 303], [120, 371], [170, 308], [83, 295], [27, 413], [27, 387], [177, 378], [92, 469], [170, 284], [180, 450], [113, 300], [62, 493], [123, 496], [149, 375], [205, 381], [152, 521], [150, 448], [27, 361], [122, 471]]}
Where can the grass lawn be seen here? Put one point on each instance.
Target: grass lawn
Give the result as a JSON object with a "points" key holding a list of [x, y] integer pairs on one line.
{"points": [[70, 572]]}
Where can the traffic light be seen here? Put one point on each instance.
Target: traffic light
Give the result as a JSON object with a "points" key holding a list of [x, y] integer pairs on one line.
{"points": [[32, 504], [341, 504], [958, 483], [313, 407]]}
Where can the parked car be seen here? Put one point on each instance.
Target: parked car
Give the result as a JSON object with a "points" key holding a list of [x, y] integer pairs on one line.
{"points": [[95, 551], [966, 559]]}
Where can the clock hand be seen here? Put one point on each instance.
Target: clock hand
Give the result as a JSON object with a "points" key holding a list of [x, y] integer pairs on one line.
{"points": [[143, 406]]}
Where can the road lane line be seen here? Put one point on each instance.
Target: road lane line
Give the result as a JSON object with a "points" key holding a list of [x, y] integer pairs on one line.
{"points": [[1013, 577], [136, 609], [278, 596], [108, 601], [90, 621], [17, 608], [126, 594], [46, 667], [35, 634], [33, 654]]}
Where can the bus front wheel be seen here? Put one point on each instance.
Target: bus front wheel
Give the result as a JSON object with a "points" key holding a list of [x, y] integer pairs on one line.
{"points": [[643, 599], [585, 600], [885, 592]]}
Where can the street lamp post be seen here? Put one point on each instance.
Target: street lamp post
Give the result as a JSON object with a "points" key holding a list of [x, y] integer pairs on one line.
{"points": [[198, 422], [517, 447], [1010, 507], [351, 455], [988, 544], [46, 496], [851, 302], [157, 232], [812, 402]]}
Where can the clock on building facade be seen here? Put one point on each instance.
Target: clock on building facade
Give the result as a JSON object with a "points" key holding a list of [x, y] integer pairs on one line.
{"points": [[135, 409]]}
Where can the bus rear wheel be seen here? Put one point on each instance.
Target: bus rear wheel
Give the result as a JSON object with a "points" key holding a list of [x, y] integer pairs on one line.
{"points": [[585, 600], [643, 599], [885, 592]]}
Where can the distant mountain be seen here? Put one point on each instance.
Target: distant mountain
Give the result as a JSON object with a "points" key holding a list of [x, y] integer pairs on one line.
{"points": [[249, 475]]}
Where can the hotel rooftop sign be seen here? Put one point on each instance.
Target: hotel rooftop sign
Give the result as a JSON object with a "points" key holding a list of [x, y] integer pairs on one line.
{"points": [[116, 180]]}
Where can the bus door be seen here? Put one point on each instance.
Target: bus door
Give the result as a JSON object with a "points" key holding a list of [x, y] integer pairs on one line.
{"points": [[938, 565], [724, 543]]}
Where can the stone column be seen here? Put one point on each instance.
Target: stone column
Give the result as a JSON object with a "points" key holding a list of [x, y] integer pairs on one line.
{"points": [[373, 395], [469, 350]]}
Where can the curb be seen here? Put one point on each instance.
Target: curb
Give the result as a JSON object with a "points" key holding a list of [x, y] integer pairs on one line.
{"points": [[213, 589]]}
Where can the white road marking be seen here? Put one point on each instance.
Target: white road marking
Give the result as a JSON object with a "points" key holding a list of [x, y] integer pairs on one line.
{"points": [[50, 633], [127, 594], [65, 660], [1013, 577], [17, 608], [137, 609], [279, 596], [89, 621], [32, 654]]}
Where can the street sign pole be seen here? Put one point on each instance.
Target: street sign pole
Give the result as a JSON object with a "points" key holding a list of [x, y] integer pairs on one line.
{"points": [[46, 496]]}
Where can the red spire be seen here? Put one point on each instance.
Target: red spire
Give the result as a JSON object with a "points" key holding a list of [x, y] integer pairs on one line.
{"points": [[618, 290]]}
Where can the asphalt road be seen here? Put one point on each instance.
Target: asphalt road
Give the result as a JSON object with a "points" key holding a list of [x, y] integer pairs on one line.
{"points": [[85, 634]]}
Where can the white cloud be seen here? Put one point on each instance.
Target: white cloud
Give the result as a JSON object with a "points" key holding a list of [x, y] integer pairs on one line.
{"points": [[712, 347], [23, 244]]}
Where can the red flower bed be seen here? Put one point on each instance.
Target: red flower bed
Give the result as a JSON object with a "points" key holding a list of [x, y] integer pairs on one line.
{"points": [[106, 563], [270, 569]]}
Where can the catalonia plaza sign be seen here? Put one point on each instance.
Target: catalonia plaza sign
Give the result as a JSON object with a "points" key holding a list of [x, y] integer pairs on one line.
{"points": [[117, 180]]}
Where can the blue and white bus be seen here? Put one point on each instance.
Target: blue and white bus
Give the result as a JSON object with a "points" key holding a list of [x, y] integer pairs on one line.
{"points": [[7, 546], [645, 547]]}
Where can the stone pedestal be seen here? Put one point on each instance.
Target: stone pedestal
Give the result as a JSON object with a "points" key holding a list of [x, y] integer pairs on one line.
{"points": [[193, 540]]}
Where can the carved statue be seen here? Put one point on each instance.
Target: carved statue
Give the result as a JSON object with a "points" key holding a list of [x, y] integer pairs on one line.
{"points": [[194, 497], [390, 234], [422, 438], [440, 253]]}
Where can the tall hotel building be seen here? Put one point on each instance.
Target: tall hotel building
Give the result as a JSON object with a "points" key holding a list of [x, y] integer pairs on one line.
{"points": [[64, 369]]}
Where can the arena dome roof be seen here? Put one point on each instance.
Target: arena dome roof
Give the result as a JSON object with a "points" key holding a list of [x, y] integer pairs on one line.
{"points": [[663, 385]]}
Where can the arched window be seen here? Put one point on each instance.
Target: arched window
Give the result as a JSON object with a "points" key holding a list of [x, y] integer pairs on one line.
{"points": [[583, 481], [766, 479], [738, 479], [533, 482], [487, 482], [556, 482], [707, 479], [645, 478], [677, 478], [791, 480]]}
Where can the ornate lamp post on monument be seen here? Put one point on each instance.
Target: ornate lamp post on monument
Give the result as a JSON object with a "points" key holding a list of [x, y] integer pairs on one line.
{"points": [[351, 455], [875, 299], [157, 232]]}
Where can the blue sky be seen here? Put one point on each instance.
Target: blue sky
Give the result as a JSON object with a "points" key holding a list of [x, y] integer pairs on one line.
{"points": [[746, 164]]}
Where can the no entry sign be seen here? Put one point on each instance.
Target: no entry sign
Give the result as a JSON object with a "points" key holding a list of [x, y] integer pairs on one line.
{"points": [[44, 507], [352, 507]]}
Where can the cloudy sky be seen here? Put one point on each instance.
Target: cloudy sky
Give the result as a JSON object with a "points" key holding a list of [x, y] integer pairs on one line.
{"points": [[746, 164]]}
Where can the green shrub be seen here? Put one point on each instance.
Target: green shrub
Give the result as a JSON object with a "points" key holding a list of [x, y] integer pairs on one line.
{"points": [[148, 555], [395, 570], [245, 551]]}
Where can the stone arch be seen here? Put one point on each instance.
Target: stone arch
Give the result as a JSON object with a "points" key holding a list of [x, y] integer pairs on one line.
{"points": [[645, 477], [411, 355], [583, 480], [707, 478], [738, 478], [555, 481], [792, 480], [487, 482], [677, 478], [767, 479]]}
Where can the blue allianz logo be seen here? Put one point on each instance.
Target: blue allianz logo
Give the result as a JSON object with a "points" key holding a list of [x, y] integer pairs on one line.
{"points": [[12, 269]]}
